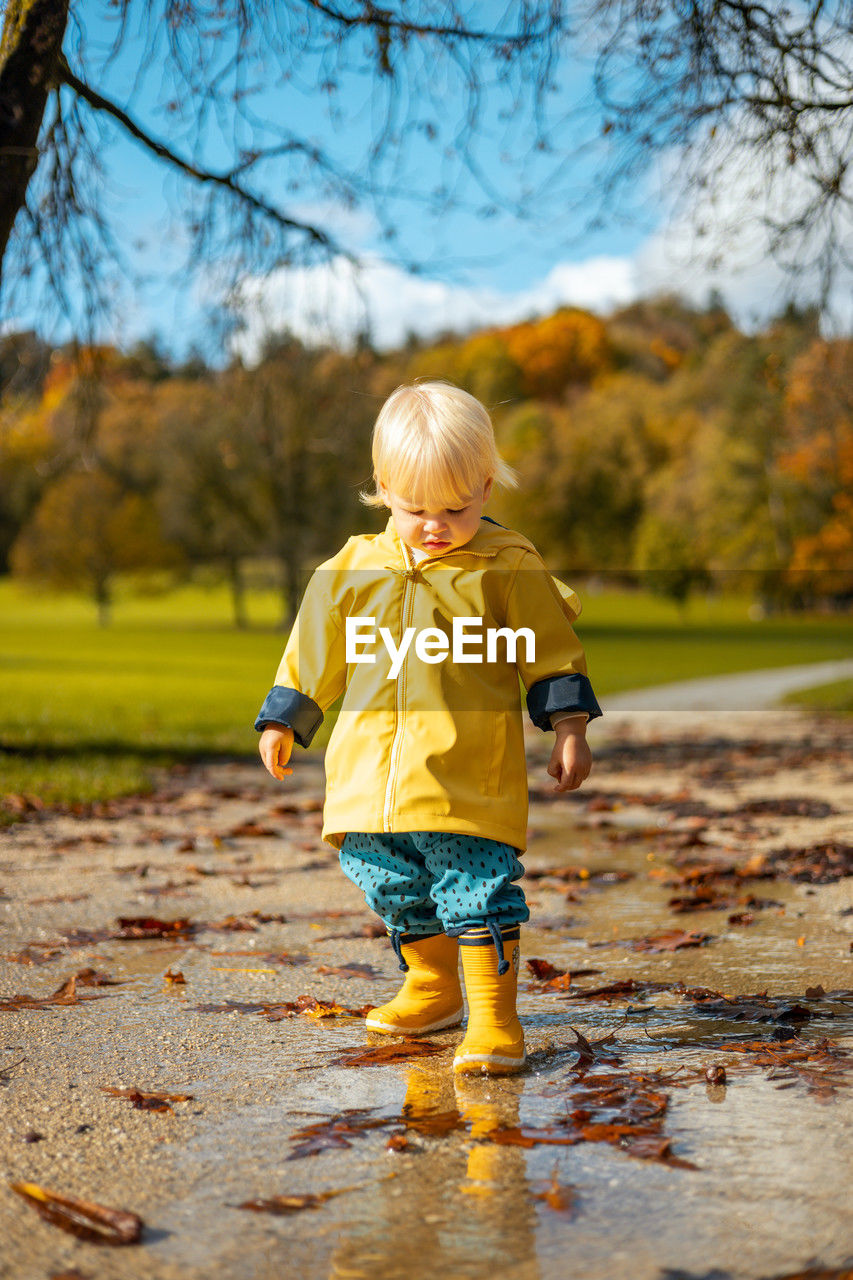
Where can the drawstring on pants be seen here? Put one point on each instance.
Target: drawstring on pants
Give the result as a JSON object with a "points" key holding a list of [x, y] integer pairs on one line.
{"points": [[497, 938], [395, 935]]}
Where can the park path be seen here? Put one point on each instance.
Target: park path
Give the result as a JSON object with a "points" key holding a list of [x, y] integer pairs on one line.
{"points": [[740, 691], [693, 902]]}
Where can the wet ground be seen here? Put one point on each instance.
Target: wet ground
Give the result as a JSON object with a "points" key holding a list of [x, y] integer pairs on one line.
{"points": [[705, 867]]}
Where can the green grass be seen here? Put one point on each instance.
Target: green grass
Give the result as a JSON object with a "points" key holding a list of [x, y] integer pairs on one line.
{"points": [[836, 697], [86, 712]]}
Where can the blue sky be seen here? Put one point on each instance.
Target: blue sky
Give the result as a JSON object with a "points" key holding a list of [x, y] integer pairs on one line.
{"points": [[476, 269]]}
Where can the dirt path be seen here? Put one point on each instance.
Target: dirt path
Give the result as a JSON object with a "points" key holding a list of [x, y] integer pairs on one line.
{"points": [[628, 1166]]}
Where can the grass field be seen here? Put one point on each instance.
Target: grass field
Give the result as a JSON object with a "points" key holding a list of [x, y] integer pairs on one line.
{"points": [[86, 712], [836, 697]]}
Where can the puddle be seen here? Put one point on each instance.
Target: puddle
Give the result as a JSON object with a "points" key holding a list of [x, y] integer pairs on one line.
{"points": [[770, 1146]]}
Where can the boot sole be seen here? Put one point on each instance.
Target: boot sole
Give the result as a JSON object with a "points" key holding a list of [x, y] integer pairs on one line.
{"points": [[394, 1028], [488, 1064]]}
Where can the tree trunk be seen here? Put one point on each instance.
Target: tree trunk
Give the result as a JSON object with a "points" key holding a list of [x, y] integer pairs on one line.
{"points": [[103, 599], [238, 593], [33, 31]]}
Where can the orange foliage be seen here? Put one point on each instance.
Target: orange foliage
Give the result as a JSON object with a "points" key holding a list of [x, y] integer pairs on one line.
{"points": [[819, 430], [566, 348]]}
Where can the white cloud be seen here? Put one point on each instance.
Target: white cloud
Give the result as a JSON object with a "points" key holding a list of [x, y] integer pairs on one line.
{"points": [[334, 302]]}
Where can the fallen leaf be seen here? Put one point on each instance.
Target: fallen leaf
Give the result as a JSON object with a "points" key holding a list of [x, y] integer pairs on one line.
{"points": [[381, 1055], [83, 1218], [252, 829], [66, 994], [558, 1196], [143, 1101], [304, 1004], [174, 977], [140, 928], [398, 1142], [334, 1132], [350, 970], [669, 940], [286, 1204], [33, 953]]}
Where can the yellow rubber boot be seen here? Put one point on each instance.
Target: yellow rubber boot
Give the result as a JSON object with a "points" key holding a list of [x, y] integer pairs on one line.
{"points": [[430, 997], [494, 1040]]}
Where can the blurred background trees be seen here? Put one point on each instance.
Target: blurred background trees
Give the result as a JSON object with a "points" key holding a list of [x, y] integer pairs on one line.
{"points": [[658, 446]]}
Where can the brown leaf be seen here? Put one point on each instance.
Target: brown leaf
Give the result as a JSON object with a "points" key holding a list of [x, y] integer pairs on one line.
{"points": [[649, 1146], [286, 1204], [83, 1218], [308, 1005], [139, 928], [381, 1055], [66, 994], [252, 829], [232, 924], [742, 918], [143, 1101], [398, 1142], [371, 930], [97, 978], [669, 940], [616, 990], [350, 970], [558, 1196], [334, 1132], [33, 953], [543, 970], [174, 977]]}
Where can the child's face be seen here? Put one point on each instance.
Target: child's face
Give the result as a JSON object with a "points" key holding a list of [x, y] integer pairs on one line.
{"points": [[435, 531]]}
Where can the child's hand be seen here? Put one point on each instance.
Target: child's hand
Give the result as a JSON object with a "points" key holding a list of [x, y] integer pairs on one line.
{"points": [[571, 759], [275, 746]]}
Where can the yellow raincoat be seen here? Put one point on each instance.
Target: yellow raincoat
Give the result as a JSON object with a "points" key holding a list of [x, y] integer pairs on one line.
{"points": [[441, 746]]}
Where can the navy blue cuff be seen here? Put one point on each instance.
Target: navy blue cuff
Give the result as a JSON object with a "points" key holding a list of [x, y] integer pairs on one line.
{"points": [[560, 693], [292, 708]]}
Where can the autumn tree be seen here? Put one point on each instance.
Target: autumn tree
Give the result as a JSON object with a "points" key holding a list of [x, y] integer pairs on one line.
{"points": [[817, 458], [84, 532], [306, 417], [566, 349], [207, 484]]}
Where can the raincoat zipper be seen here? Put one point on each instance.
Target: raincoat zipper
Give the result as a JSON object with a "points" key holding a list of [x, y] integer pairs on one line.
{"points": [[400, 693], [399, 714]]}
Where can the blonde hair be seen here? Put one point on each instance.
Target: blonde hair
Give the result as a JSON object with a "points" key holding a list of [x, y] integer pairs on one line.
{"points": [[434, 443]]}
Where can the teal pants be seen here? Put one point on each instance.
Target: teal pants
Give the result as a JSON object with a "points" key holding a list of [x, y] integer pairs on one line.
{"points": [[426, 882]]}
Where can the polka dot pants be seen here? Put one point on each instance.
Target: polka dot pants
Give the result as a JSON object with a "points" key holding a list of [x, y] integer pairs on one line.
{"points": [[426, 882]]}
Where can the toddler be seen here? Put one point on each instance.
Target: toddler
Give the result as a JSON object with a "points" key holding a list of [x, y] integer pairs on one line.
{"points": [[425, 629]]}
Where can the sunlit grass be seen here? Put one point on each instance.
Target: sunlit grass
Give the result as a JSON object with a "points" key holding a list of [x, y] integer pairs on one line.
{"points": [[836, 697]]}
